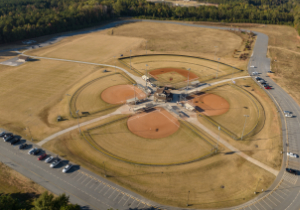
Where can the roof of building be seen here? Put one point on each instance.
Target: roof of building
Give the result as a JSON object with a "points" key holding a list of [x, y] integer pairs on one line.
{"points": [[24, 57]]}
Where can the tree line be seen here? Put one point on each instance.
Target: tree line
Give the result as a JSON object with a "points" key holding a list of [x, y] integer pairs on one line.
{"points": [[45, 201], [23, 19]]}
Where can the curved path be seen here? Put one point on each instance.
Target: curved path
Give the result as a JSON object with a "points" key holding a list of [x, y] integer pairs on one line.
{"points": [[284, 192]]}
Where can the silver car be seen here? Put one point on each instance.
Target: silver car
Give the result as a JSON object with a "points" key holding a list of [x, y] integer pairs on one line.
{"points": [[49, 159], [67, 168], [55, 162]]}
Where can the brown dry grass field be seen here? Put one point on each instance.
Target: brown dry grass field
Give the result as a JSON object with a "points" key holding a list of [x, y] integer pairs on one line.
{"points": [[169, 185], [241, 104], [182, 146], [13, 182], [265, 143]]}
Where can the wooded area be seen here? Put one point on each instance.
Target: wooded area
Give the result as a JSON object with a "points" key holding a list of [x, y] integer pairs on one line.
{"points": [[23, 19]]}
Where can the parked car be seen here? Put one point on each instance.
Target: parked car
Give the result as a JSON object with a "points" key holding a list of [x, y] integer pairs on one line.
{"points": [[49, 159], [37, 151], [268, 87], [7, 139], [22, 146], [42, 156], [261, 80], [31, 152], [2, 134], [292, 154], [257, 78], [270, 72], [15, 140], [252, 66], [55, 162], [265, 85], [292, 171], [7, 135], [67, 168], [288, 114]]}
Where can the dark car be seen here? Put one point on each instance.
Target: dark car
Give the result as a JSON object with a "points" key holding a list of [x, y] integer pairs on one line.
{"points": [[15, 140], [37, 151], [7, 135], [7, 139], [265, 85], [22, 146], [2, 134], [292, 171]]}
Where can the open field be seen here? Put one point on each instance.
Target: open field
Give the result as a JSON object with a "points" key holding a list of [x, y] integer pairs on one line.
{"points": [[17, 185], [240, 104], [169, 185], [265, 143]]}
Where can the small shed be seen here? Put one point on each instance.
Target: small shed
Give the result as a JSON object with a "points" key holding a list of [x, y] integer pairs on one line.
{"points": [[23, 58]]}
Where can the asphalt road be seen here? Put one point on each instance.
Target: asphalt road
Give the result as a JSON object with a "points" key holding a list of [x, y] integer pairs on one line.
{"points": [[94, 192]]}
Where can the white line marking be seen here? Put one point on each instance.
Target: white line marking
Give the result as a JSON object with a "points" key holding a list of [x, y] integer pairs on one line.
{"points": [[121, 198], [126, 201]]}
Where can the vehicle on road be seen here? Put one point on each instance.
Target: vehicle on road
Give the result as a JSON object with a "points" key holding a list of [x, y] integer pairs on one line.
{"points": [[55, 162], [67, 168], [288, 114], [32, 151], [292, 154], [257, 78], [252, 66], [254, 73], [37, 151], [49, 159], [22, 146], [42, 156], [7, 135], [15, 140], [261, 80], [291, 171], [265, 85], [268, 88], [270, 72]]}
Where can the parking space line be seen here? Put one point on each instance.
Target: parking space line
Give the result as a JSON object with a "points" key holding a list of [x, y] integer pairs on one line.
{"points": [[112, 193], [107, 191], [116, 196], [80, 177], [261, 205], [271, 201], [131, 203], [126, 201], [271, 194], [279, 195], [95, 183], [89, 182], [98, 186], [121, 199], [84, 180], [102, 189], [266, 203]]}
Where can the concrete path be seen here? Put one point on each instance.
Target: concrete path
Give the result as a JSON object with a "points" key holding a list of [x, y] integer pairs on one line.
{"points": [[195, 121], [122, 110]]}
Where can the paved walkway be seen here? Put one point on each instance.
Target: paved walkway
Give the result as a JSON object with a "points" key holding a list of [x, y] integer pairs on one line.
{"points": [[195, 121]]}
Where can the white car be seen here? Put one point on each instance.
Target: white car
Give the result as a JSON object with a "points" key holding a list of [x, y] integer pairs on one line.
{"points": [[67, 168], [55, 162], [252, 66], [32, 151], [49, 159], [292, 154]]}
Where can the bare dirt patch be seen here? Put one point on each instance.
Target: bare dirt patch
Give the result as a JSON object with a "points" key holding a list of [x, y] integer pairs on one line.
{"points": [[120, 93], [183, 72], [210, 104], [156, 124]]}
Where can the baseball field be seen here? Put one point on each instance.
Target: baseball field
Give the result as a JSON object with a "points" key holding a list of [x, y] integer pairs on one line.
{"points": [[156, 152]]}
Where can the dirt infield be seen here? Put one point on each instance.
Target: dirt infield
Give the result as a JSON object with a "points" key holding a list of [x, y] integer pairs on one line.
{"points": [[154, 73], [120, 93], [210, 104], [155, 124]]}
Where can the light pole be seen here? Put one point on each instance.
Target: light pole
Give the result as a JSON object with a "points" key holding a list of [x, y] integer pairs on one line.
{"points": [[187, 203], [219, 128], [189, 69], [78, 121], [115, 63], [130, 60], [244, 126], [218, 67], [146, 47], [257, 186], [215, 52]]}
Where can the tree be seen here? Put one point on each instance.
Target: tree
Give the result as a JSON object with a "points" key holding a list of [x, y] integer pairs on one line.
{"points": [[7, 202]]}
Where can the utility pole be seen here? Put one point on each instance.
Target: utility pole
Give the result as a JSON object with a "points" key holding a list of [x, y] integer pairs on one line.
{"points": [[30, 133], [244, 125], [69, 104], [257, 186], [78, 121]]}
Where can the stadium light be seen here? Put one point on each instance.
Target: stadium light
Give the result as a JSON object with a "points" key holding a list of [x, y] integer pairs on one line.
{"points": [[257, 185], [244, 126], [78, 121], [146, 47]]}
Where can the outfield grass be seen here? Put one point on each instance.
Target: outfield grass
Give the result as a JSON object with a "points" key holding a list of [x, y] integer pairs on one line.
{"points": [[265, 143], [182, 146], [205, 69], [241, 104], [169, 185]]}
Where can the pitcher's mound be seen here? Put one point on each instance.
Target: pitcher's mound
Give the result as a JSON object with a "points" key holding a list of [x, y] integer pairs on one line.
{"points": [[158, 123], [119, 94], [210, 104]]}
